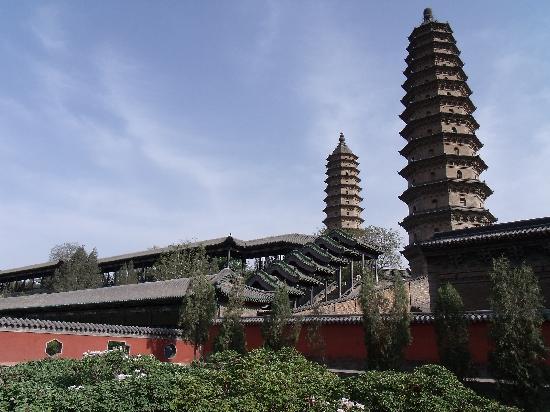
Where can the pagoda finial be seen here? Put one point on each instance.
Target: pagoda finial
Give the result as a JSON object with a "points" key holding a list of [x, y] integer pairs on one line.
{"points": [[342, 138], [428, 16]]}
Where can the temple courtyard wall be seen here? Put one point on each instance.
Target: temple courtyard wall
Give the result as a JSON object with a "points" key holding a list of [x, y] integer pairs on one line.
{"points": [[341, 344]]}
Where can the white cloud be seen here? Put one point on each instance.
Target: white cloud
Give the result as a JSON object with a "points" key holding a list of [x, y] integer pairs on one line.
{"points": [[45, 24]]}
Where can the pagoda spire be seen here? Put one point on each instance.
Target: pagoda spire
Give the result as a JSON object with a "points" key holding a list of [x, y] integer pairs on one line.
{"points": [[443, 170], [343, 200]]}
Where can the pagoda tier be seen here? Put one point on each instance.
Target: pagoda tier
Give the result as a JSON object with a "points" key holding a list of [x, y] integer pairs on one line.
{"points": [[444, 189], [343, 198]]}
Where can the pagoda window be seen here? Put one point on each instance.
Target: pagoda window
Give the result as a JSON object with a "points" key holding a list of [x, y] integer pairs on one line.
{"points": [[459, 174], [432, 175], [463, 201], [457, 151], [454, 129], [451, 110], [448, 93]]}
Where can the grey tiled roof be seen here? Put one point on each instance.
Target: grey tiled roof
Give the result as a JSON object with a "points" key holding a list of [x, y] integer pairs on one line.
{"points": [[295, 239], [223, 283], [18, 324], [164, 289], [509, 230], [175, 288], [7, 323]]}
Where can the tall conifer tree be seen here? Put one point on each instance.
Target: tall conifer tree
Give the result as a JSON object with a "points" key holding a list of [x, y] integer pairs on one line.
{"points": [[451, 328], [517, 360]]}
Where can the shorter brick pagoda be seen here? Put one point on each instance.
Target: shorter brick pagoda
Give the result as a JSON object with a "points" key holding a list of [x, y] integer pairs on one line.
{"points": [[343, 191]]}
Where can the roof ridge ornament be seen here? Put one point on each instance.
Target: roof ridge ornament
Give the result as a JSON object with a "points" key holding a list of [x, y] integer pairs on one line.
{"points": [[428, 15], [342, 138]]}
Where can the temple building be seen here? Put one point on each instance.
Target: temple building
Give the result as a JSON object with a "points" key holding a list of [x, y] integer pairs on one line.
{"points": [[443, 171], [343, 198]]}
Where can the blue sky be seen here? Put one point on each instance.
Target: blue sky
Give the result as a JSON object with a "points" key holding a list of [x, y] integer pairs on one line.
{"points": [[128, 124]]}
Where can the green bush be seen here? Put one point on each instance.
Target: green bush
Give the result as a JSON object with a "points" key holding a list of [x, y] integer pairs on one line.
{"points": [[259, 381], [427, 388]]}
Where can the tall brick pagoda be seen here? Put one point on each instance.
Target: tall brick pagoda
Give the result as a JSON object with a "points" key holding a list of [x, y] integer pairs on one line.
{"points": [[444, 189], [343, 200]]}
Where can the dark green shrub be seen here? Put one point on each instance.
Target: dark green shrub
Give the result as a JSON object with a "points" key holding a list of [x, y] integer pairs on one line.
{"points": [[386, 323], [428, 388], [260, 381], [451, 327], [277, 330], [53, 347], [517, 360], [232, 336]]}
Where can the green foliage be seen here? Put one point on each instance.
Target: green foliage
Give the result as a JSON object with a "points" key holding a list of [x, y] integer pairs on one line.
{"points": [[53, 347], [198, 311], [519, 351], [232, 335], [183, 261], [314, 337], [64, 251], [386, 323], [451, 327], [126, 275], [428, 388], [112, 382], [387, 240], [277, 330], [78, 270], [260, 381]]}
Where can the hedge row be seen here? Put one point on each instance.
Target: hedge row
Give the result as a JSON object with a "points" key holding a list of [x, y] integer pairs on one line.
{"points": [[259, 381]]}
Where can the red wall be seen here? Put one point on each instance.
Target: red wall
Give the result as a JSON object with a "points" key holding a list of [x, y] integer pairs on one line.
{"points": [[344, 344], [25, 346]]}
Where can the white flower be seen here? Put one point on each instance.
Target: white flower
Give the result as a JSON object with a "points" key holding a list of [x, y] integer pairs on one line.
{"points": [[122, 376], [74, 387]]}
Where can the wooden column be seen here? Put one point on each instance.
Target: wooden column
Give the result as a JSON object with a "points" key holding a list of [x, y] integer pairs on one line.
{"points": [[339, 281], [228, 256], [376, 269], [351, 269], [362, 263]]}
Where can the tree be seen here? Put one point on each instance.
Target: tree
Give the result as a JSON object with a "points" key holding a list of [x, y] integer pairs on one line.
{"points": [[232, 335], [183, 261], [198, 311], [277, 330], [126, 275], [389, 241], [517, 361], [386, 323], [315, 338], [78, 270], [451, 327], [64, 251]]}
